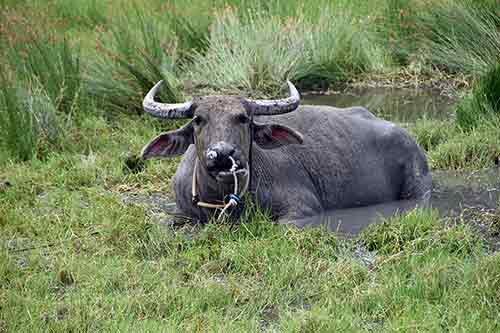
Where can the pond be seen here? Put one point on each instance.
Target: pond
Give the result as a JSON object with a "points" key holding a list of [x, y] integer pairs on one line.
{"points": [[452, 193], [397, 105]]}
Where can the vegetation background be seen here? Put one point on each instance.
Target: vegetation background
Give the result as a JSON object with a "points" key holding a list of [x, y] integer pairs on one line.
{"points": [[76, 256]]}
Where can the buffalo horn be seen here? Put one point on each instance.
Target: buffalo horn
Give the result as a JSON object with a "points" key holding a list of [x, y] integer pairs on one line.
{"points": [[265, 107], [163, 110]]}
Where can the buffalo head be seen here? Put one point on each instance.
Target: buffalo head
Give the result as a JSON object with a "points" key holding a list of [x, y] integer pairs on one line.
{"points": [[222, 128]]}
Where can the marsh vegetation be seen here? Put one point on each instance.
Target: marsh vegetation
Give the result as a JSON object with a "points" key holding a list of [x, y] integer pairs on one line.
{"points": [[75, 257]]}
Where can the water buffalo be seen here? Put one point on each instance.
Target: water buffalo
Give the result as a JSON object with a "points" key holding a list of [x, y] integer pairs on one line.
{"points": [[298, 163]]}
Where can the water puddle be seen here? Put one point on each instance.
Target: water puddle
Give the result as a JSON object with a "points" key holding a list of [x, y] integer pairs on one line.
{"points": [[452, 193], [397, 105], [455, 191]]}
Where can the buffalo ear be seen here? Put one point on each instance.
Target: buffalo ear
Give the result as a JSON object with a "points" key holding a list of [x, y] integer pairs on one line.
{"points": [[270, 136], [169, 144]]}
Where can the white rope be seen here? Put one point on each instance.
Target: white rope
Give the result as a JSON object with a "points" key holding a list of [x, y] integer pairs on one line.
{"points": [[232, 202], [233, 170]]}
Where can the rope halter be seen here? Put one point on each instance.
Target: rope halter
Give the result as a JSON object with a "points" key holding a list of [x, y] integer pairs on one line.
{"points": [[232, 199]]}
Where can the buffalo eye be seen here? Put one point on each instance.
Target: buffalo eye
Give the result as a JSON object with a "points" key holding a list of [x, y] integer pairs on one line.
{"points": [[243, 119], [198, 120]]}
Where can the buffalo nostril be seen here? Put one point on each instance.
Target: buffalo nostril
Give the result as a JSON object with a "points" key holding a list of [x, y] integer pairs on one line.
{"points": [[212, 154]]}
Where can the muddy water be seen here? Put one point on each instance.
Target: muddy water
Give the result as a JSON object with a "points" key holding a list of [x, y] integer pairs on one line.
{"points": [[398, 105], [452, 193]]}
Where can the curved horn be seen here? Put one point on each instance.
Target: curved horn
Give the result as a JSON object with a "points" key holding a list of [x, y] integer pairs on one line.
{"points": [[163, 110], [268, 107]]}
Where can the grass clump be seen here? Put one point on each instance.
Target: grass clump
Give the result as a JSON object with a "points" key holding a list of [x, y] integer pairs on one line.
{"points": [[45, 95], [471, 150], [84, 14], [483, 105], [259, 53], [463, 36], [129, 61], [55, 65], [253, 56], [28, 120], [431, 133], [471, 141], [338, 47], [419, 231], [18, 124], [399, 29]]}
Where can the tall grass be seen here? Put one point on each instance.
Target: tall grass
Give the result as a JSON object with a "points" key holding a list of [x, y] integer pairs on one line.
{"points": [[82, 13], [463, 36], [399, 29], [41, 89], [55, 65], [191, 33], [471, 139], [259, 52], [338, 47], [28, 121], [18, 123], [129, 61], [257, 55], [483, 103]]}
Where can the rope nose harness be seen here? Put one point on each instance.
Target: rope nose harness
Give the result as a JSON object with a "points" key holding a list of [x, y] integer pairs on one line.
{"points": [[231, 200]]}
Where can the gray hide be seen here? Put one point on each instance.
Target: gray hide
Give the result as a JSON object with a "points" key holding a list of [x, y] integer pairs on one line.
{"points": [[348, 158]]}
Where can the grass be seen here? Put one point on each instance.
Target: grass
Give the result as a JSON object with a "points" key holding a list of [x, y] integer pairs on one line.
{"points": [[76, 254], [483, 104], [55, 65], [258, 53], [463, 36], [134, 59], [420, 231], [471, 141], [17, 122], [75, 257], [450, 147]]}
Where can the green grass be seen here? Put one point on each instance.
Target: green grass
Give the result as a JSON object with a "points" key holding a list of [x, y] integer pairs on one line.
{"points": [[129, 61], [463, 36], [54, 64], [76, 256], [430, 133], [471, 140], [483, 104], [450, 147], [17, 122], [418, 232], [258, 53]]}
